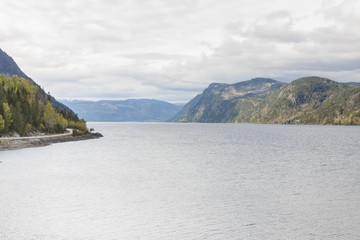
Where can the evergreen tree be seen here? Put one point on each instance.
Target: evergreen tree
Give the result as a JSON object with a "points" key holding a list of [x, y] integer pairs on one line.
{"points": [[25, 107], [2, 124], [7, 116], [49, 117]]}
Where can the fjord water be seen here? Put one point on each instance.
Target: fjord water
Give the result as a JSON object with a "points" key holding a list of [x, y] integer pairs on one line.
{"points": [[186, 181]]}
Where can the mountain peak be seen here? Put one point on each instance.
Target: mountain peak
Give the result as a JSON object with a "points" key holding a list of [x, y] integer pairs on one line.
{"points": [[313, 84], [314, 79], [218, 101], [260, 79], [9, 67]]}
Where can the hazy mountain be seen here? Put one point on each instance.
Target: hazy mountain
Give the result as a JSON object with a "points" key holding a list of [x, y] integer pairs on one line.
{"points": [[309, 100], [357, 84], [9, 67], [132, 110]]}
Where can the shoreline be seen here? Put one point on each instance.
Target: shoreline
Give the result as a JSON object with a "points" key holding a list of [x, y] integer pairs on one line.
{"points": [[15, 144]]}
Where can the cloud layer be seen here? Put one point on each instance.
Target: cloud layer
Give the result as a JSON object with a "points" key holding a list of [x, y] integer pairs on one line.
{"points": [[171, 50]]}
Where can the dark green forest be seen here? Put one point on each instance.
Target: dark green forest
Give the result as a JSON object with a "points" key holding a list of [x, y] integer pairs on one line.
{"points": [[25, 108]]}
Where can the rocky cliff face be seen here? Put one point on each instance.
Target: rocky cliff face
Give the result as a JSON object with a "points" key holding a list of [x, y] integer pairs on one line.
{"points": [[226, 102], [309, 100]]}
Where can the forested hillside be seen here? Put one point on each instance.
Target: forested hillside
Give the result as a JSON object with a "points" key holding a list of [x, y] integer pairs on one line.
{"points": [[26, 108], [9, 67], [309, 100]]}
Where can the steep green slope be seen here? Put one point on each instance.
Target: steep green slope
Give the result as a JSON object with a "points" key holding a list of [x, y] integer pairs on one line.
{"points": [[9, 67], [226, 102], [25, 108], [309, 100]]}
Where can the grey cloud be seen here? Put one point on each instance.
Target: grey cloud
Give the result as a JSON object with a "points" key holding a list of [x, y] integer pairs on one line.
{"points": [[276, 26], [325, 65], [155, 56], [346, 11], [173, 49], [272, 46]]}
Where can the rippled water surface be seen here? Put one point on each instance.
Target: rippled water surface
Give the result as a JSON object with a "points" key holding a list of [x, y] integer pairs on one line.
{"points": [[186, 181]]}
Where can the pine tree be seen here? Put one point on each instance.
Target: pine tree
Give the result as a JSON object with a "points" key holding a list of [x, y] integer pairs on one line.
{"points": [[25, 107], [2, 124], [7, 116], [49, 117]]}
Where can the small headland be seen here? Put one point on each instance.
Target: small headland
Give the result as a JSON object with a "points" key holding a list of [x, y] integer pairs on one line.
{"points": [[41, 141]]}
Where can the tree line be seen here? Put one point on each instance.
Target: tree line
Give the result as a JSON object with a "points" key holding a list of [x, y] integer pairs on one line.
{"points": [[25, 108]]}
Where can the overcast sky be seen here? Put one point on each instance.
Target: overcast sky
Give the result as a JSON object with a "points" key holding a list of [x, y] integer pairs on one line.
{"points": [[172, 49]]}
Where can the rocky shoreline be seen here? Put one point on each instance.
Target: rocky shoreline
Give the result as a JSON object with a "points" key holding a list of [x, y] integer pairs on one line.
{"points": [[14, 144]]}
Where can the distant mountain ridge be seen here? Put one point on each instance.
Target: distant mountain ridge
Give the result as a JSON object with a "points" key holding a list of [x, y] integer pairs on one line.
{"points": [[309, 100], [9, 67], [131, 110]]}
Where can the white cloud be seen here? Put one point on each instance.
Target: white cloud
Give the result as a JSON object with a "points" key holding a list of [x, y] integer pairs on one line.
{"points": [[172, 49]]}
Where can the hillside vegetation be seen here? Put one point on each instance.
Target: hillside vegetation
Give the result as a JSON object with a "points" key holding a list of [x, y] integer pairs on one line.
{"points": [[9, 67], [312, 100], [309, 100], [25, 108], [227, 102]]}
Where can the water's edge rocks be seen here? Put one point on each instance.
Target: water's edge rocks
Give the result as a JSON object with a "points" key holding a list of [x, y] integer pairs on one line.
{"points": [[6, 145]]}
